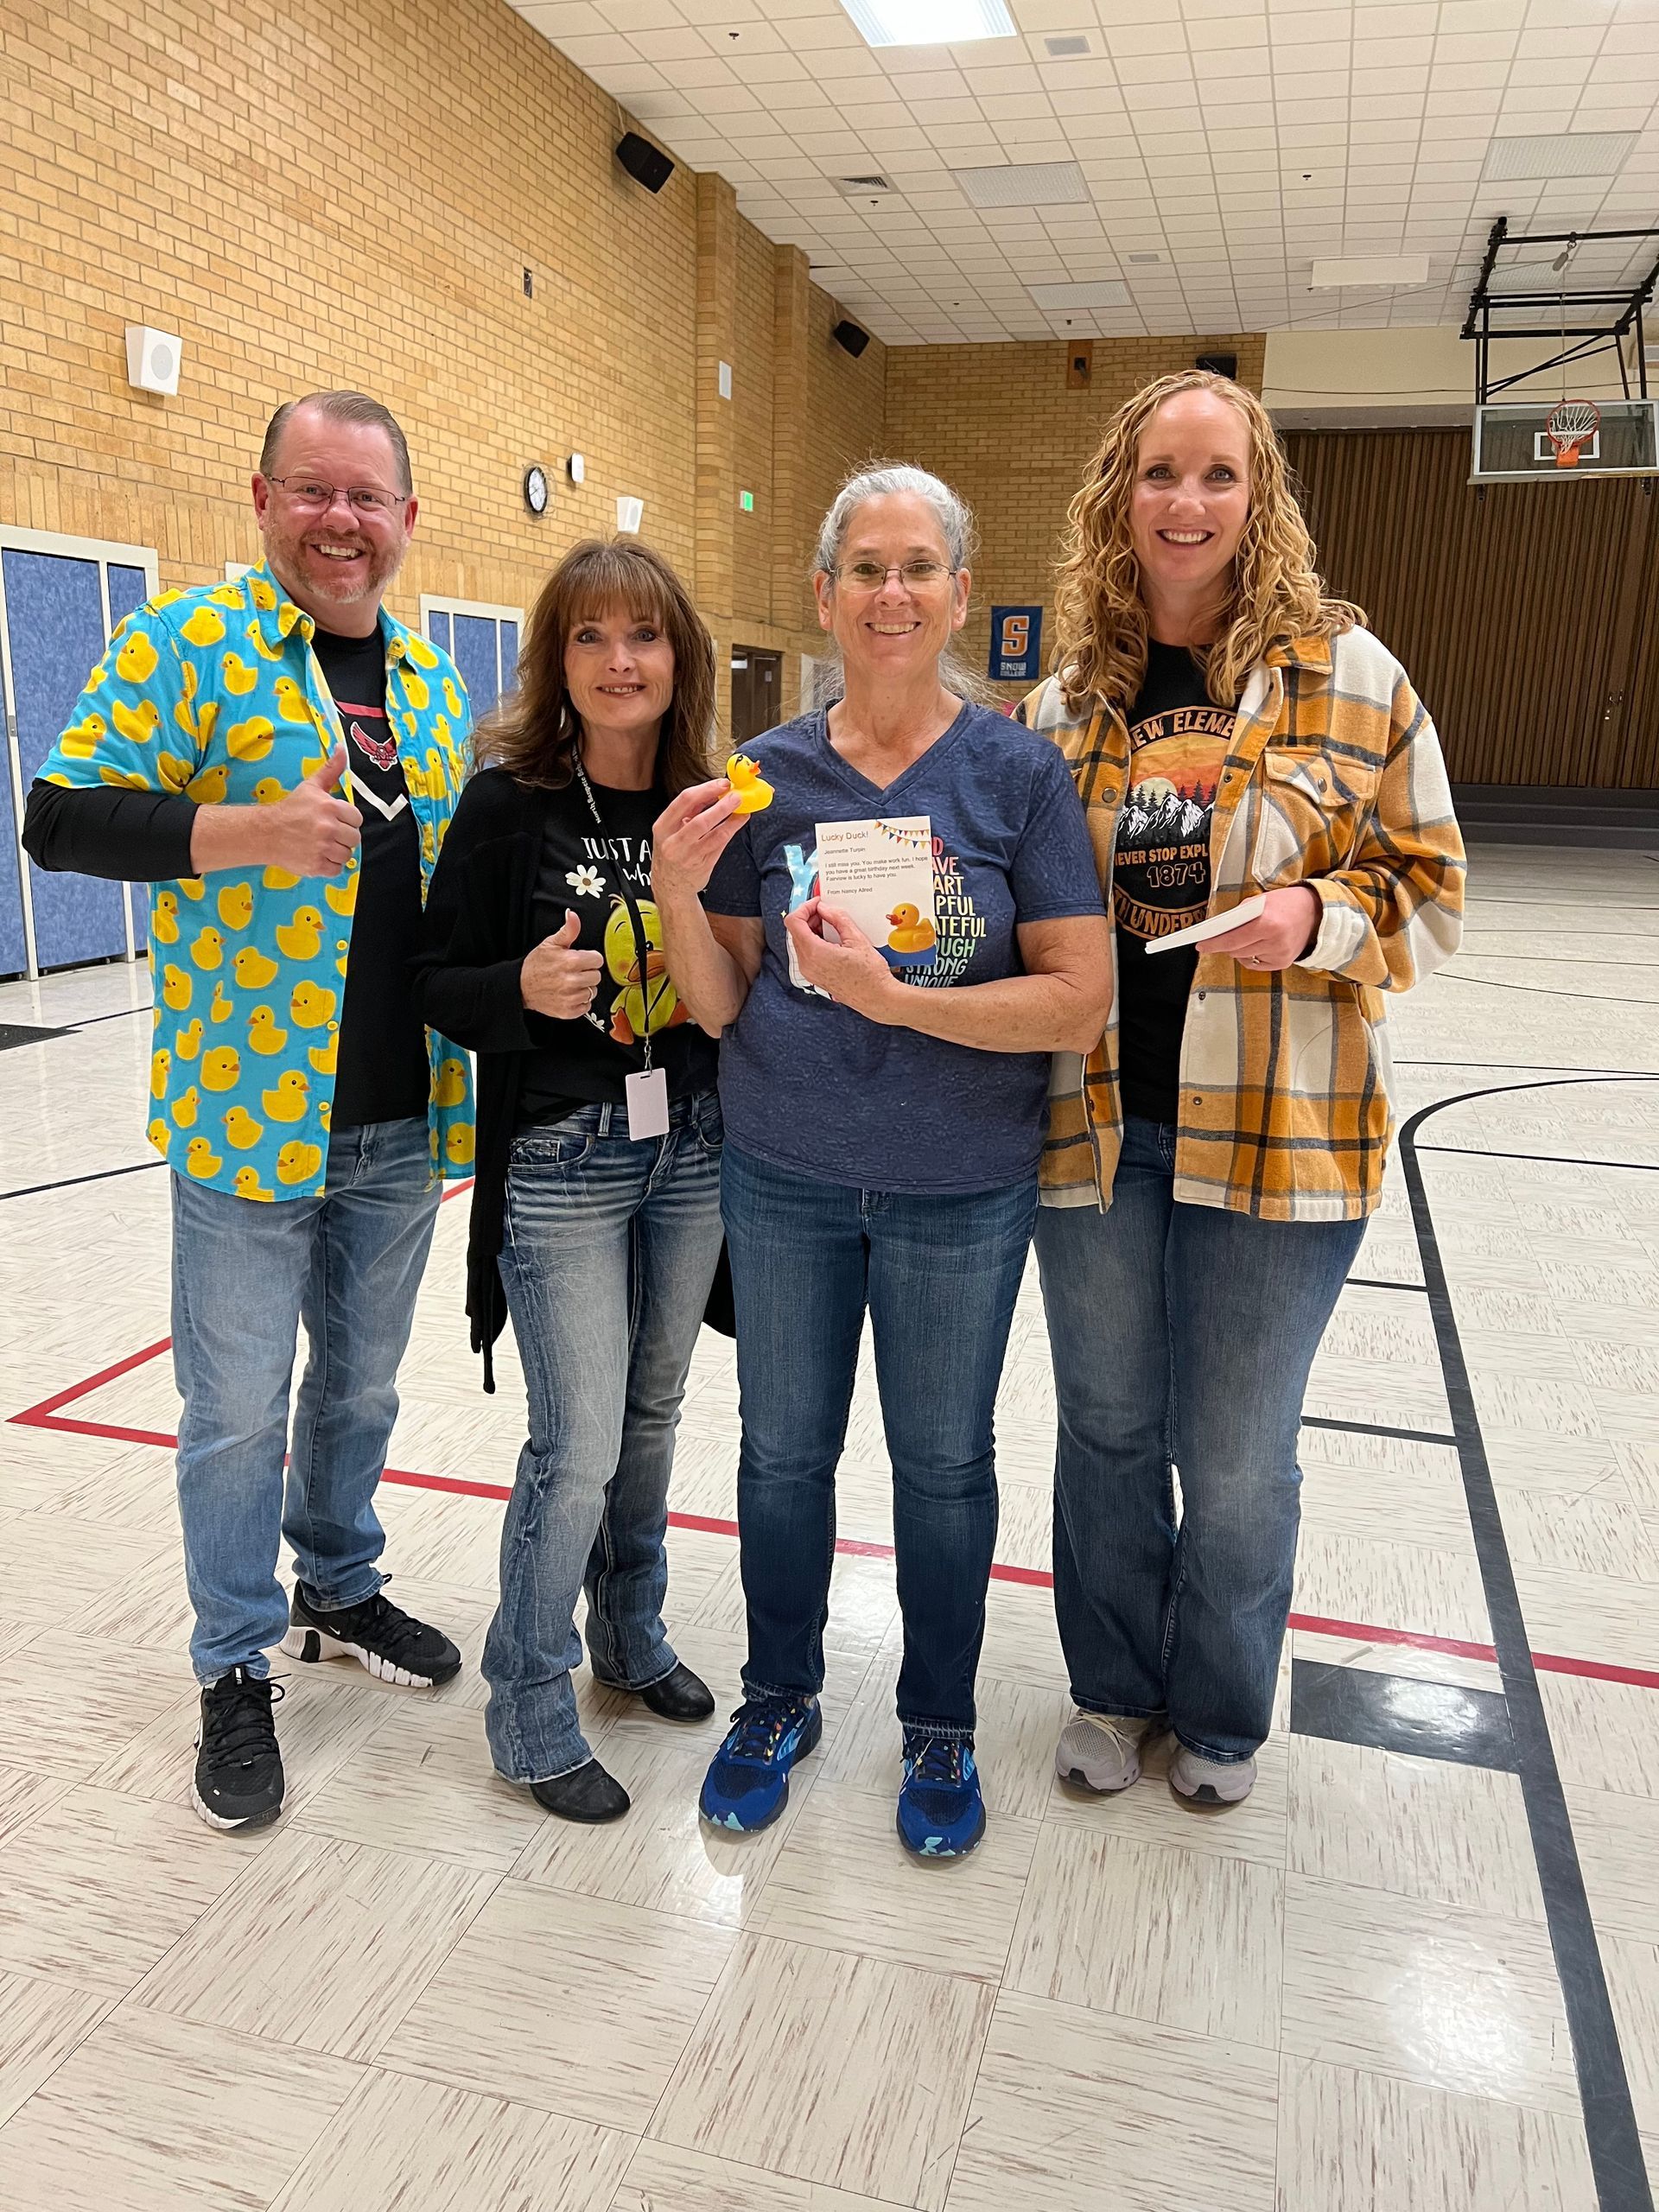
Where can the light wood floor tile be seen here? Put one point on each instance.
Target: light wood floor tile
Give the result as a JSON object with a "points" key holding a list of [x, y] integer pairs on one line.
{"points": [[1019, 1725], [150, 2113], [423, 1781], [1079, 2112], [398, 2144], [321, 1719], [1431, 1592], [23, 1793], [1602, 1732], [1149, 1812], [662, 2177], [1617, 1840], [1354, 2142], [833, 2068], [1183, 1938], [1461, 2001], [1632, 1971], [40, 2023], [100, 1886], [320, 1943], [844, 1880], [567, 2003], [1453, 1834], [1590, 1616], [115, 1697]]}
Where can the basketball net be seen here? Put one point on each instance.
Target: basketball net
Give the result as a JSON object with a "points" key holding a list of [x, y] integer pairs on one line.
{"points": [[1571, 425]]}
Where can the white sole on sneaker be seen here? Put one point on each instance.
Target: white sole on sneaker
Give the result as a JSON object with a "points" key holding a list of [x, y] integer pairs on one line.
{"points": [[312, 1644], [229, 1827]]}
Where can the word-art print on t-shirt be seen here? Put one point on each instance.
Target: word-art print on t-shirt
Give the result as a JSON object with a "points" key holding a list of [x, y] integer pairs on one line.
{"points": [[1161, 877], [641, 1002]]}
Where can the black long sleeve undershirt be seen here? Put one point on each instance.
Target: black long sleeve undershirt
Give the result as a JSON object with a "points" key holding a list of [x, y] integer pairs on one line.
{"points": [[131, 837]]}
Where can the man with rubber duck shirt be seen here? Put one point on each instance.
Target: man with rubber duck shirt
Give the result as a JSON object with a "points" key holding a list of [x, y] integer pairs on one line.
{"points": [[284, 756]]}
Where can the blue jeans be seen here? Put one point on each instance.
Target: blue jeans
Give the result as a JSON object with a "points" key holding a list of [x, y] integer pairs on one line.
{"points": [[610, 1249], [1184, 1334], [246, 1275], [940, 1275]]}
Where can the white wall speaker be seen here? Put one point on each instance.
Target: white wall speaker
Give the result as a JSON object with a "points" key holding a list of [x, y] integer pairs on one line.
{"points": [[629, 512], [154, 358]]}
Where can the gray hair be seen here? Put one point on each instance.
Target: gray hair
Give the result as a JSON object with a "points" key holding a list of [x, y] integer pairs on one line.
{"points": [[952, 512], [955, 520], [340, 407]]}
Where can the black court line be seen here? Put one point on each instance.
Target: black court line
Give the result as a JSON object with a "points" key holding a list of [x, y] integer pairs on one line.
{"points": [[68, 1182], [1609, 2125], [1539, 991], [126, 1014], [1396, 1713], [1531, 1067], [1376, 1428], [14, 1035], [1542, 1159], [1380, 1282]]}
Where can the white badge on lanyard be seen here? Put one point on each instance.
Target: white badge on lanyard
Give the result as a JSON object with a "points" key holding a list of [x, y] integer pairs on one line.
{"points": [[647, 1094]]}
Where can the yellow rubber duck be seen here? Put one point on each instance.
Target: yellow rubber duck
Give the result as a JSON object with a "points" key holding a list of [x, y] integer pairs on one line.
{"points": [[207, 720], [194, 888], [278, 879], [287, 1102], [251, 739], [326, 1112], [160, 1135], [81, 740], [177, 989], [135, 662], [628, 1008], [125, 779], [252, 969], [291, 702], [201, 1159], [188, 1043], [325, 1057], [208, 788], [341, 948], [184, 1110], [229, 596], [161, 1061], [754, 792], [246, 1184], [173, 772], [310, 1006], [295, 1161], [206, 627], [241, 1129], [266, 792], [451, 1086], [418, 650], [137, 725], [235, 904], [909, 932], [207, 948], [239, 678], [256, 639], [417, 690], [224, 1005], [343, 899], [302, 938], [264, 1036], [220, 1068], [459, 1145], [164, 918], [263, 593]]}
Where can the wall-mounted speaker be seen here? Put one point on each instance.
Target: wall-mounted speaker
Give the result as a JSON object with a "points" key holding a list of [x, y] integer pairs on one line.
{"points": [[645, 162], [850, 339], [1219, 365], [154, 358]]}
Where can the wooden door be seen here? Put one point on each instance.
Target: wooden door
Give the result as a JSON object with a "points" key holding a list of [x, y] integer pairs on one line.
{"points": [[757, 688]]}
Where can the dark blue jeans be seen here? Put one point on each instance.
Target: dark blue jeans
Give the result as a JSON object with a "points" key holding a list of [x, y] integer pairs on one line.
{"points": [[939, 1275], [1181, 1334]]}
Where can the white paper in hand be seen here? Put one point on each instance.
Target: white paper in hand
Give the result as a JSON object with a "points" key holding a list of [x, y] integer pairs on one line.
{"points": [[1249, 910]]}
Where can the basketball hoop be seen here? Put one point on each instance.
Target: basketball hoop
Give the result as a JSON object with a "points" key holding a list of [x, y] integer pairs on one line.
{"points": [[1571, 425]]}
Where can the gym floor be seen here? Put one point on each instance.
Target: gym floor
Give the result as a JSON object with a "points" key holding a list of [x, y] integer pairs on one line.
{"points": [[1420, 1967]]}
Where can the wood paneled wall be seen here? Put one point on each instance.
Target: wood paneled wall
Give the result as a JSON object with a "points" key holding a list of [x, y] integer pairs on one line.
{"points": [[1527, 620]]}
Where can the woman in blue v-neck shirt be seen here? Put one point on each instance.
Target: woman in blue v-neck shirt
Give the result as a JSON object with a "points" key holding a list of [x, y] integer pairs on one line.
{"points": [[883, 1122]]}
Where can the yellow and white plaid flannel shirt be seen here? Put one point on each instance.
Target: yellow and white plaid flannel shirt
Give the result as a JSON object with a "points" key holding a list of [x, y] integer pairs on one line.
{"points": [[1334, 779]]}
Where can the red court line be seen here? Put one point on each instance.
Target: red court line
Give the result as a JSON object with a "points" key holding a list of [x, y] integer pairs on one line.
{"points": [[47, 1416]]}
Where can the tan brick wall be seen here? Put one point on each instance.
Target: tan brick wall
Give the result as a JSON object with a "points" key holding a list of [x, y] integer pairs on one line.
{"points": [[1000, 424]]}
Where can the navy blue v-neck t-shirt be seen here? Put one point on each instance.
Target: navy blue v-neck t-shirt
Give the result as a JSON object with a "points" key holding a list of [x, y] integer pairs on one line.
{"points": [[812, 1086]]}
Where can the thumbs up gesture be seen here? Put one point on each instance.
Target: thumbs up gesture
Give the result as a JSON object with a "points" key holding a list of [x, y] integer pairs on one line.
{"points": [[558, 979], [313, 831]]}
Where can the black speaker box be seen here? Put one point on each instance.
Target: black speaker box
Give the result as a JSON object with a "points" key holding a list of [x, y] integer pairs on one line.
{"points": [[644, 161], [1219, 365], [850, 338]]}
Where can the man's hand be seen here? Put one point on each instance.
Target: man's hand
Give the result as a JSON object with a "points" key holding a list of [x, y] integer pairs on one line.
{"points": [[1281, 933], [853, 972], [558, 980], [310, 831]]}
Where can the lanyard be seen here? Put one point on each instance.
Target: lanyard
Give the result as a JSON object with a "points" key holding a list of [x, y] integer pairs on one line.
{"points": [[641, 943]]}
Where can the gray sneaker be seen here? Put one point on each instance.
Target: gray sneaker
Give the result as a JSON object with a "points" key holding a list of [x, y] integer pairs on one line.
{"points": [[1210, 1783], [1101, 1751]]}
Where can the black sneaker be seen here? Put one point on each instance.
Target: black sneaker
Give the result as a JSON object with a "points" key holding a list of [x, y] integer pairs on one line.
{"points": [[394, 1646], [238, 1768]]}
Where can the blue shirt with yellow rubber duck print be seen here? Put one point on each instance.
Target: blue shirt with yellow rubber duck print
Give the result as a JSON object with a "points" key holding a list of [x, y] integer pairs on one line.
{"points": [[214, 693]]}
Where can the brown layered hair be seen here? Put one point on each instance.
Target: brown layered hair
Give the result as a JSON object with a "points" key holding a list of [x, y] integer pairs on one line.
{"points": [[1276, 596], [535, 730]]}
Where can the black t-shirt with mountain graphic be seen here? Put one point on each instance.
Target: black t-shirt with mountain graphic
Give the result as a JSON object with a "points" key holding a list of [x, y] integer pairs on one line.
{"points": [[1160, 875]]}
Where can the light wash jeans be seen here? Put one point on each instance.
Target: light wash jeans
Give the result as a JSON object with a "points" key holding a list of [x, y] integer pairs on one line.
{"points": [[246, 1275], [939, 1273], [610, 1249], [1184, 1334]]}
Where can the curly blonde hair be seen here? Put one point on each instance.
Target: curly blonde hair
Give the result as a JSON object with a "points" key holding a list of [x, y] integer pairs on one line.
{"points": [[1100, 650]]}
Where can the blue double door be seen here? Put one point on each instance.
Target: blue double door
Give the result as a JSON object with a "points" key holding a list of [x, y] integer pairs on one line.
{"points": [[484, 647], [59, 608]]}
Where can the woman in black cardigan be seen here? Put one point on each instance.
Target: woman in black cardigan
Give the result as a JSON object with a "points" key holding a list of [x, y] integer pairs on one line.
{"points": [[596, 1210]]}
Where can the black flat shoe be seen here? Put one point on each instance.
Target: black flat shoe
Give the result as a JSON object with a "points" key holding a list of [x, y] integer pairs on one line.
{"points": [[587, 1793], [679, 1696]]}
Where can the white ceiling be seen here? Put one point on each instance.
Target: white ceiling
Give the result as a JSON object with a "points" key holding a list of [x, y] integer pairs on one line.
{"points": [[1238, 140]]}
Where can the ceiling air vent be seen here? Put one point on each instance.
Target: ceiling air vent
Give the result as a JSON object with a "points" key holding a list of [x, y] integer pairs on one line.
{"points": [[1068, 45], [1144, 260], [1024, 184], [863, 187], [1063, 299], [1563, 153]]}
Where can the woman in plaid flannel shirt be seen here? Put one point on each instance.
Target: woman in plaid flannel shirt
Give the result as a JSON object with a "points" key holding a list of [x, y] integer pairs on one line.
{"points": [[1210, 1166]]}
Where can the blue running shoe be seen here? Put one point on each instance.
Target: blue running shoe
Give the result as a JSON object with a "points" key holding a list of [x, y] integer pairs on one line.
{"points": [[941, 1811], [748, 1782]]}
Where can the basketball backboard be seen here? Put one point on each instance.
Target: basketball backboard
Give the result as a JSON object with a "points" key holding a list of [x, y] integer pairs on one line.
{"points": [[1513, 443]]}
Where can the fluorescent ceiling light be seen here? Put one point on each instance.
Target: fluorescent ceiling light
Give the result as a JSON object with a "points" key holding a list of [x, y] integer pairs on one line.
{"points": [[1024, 184], [1107, 292], [929, 23], [1379, 269]]}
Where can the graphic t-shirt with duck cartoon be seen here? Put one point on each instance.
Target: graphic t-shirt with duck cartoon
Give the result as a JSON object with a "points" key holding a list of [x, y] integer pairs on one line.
{"points": [[583, 866]]}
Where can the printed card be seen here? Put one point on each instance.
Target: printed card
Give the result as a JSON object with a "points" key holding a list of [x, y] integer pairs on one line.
{"points": [[882, 872]]}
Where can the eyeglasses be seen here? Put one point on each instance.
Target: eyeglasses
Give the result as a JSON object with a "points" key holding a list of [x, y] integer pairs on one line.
{"points": [[365, 498], [871, 575]]}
